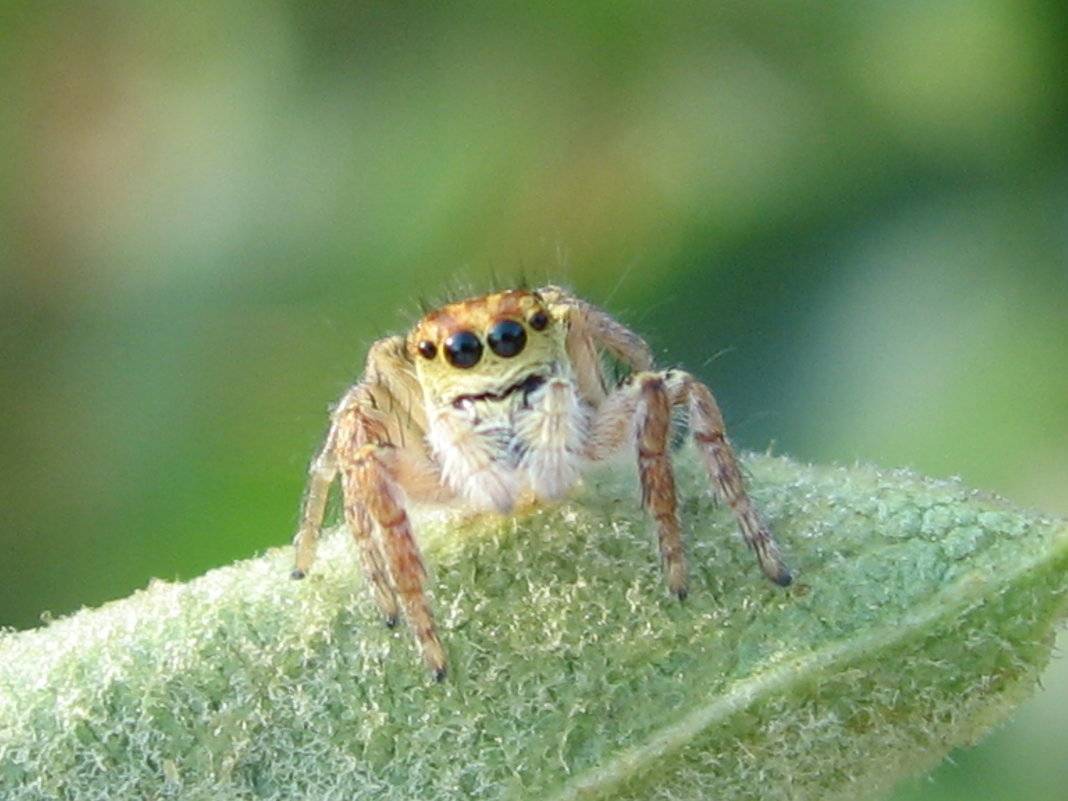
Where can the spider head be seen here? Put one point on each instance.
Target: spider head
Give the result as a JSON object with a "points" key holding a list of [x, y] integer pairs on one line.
{"points": [[486, 345]]}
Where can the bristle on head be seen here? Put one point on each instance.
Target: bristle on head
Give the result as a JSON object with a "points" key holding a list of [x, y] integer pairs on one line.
{"points": [[459, 289]]}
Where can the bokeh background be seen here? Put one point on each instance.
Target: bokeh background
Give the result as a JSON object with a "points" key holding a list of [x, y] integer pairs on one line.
{"points": [[851, 218]]}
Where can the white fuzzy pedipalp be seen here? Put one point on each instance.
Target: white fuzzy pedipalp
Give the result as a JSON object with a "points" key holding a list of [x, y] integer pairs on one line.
{"points": [[552, 432], [470, 455], [491, 452]]}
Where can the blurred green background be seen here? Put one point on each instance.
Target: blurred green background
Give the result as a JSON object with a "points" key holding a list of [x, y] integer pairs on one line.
{"points": [[851, 218]]}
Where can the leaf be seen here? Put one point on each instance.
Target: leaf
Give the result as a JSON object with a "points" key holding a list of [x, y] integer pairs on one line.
{"points": [[921, 613]]}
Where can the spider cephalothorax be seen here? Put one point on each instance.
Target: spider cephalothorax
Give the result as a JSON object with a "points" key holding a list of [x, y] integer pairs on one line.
{"points": [[500, 398], [502, 419]]}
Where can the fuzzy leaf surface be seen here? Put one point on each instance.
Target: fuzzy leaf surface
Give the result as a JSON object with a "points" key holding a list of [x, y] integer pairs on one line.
{"points": [[921, 613]]}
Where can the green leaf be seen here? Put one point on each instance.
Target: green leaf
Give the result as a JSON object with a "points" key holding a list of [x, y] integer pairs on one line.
{"points": [[921, 613]]}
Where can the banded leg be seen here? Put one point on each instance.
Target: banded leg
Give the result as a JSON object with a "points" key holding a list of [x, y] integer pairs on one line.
{"points": [[617, 419], [368, 484], [362, 528], [658, 479], [642, 409], [706, 424], [321, 476]]}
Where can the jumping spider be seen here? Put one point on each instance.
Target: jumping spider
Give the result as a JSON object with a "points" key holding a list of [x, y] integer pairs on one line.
{"points": [[496, 400]]}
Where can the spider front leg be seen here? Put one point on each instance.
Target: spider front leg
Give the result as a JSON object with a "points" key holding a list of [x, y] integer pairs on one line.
{"points": [[321, 475], [644, 407], [370, 490]]}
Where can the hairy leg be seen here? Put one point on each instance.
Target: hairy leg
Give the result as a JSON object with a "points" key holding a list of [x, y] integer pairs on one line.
{"points": [[590, 329], [641, 410], [362, 527], [322, 473], [382, 412], [368, 484], [706, 424], [320, 476], [626, 413], [658, 479]]}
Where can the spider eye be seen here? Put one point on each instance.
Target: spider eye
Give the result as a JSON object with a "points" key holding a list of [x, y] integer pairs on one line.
{"points": [[539, 320], [427, 349], [507, 338], [463, 349]]}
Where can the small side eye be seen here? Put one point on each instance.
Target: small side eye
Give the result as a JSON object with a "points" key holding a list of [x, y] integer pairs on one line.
{"points": [[463, 349], [427, 349], [507, 338], [539, 320]]}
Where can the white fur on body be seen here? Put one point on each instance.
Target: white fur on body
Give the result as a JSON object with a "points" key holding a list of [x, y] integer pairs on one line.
{"points": [[493, 452]]}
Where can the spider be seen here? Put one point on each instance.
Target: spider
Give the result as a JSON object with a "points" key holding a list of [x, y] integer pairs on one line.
{"points": [[499, 400]]}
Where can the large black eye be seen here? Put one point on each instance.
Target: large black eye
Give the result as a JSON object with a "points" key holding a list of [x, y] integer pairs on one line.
{"points": [[507, 338], [463, 349]]}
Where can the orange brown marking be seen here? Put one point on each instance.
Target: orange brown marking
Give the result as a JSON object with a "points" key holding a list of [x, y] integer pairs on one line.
{"points": [[473, 314]]}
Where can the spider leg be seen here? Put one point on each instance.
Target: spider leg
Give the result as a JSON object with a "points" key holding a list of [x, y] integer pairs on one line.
{"points": [[601, 327], [371, 492], [376, 443], [706, 426], [362, 527], [588, 329], [658, 479], [321, 475], [642, 408]]}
